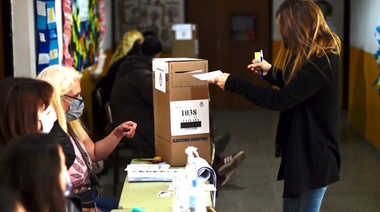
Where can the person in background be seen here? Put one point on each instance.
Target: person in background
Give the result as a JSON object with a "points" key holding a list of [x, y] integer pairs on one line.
{"points": [[33, 166], [68, 105], [132, 99], [308, 101], [23, 99], [129, 45]]}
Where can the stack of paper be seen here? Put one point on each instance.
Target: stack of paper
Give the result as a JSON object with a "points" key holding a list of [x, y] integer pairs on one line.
{"points": [[151, 172]]}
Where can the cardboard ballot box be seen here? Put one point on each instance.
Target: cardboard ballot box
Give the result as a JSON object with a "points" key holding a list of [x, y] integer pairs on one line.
{"points": [[181, 109], [185, 40]]}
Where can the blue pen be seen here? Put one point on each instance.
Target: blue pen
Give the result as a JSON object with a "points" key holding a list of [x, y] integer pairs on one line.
{"points": [[261, 60], [94, 198], [138, 210]]}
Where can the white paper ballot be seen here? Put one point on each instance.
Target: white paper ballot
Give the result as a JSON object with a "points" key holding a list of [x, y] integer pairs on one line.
{"points": [[209, 75]]}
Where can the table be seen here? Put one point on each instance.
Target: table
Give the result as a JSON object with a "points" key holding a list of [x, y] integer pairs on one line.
{"points": [[144, 196]]}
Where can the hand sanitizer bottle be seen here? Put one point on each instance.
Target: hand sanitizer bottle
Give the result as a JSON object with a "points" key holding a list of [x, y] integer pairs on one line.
{"points": [[197, 197]]}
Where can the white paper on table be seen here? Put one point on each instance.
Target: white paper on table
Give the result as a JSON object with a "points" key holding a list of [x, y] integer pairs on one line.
{"points": [[209, 75]]}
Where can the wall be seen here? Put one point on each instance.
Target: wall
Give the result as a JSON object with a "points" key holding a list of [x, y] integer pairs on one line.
{"points": [[23, 38], [224, 50], [364, 101]]}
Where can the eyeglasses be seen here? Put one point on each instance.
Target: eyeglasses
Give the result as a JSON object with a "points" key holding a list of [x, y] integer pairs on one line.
{"points": [[72, 97]]}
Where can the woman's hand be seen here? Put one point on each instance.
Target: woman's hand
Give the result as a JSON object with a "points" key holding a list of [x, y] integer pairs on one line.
{"points": [[257, 67], [220, 81], [126, 129]]}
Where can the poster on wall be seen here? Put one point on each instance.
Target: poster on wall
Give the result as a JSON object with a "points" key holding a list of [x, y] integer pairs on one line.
{"points": [[46, 34], [83, 32], [156, 16]]}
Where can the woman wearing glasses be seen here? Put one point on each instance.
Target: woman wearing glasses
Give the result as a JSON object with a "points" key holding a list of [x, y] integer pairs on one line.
{"points": [[68, 104]]}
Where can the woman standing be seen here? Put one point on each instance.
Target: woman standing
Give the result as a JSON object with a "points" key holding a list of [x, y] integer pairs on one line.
{"points": [[308, 98]]}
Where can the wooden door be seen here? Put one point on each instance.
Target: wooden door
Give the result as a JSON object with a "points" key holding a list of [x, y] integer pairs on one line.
{"points": [[217, 44]]}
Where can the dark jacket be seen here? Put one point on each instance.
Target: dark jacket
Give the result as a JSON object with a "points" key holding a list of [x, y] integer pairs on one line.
{"points": [[307, 131], [64, 140], [132, 99]]}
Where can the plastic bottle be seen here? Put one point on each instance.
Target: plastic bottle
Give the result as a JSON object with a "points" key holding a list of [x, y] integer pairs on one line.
{"points": [[181, 193], [197, 197]]}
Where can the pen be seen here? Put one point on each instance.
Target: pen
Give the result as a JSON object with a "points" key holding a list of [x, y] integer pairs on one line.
{"points": [[261, 60], [94, 198]]}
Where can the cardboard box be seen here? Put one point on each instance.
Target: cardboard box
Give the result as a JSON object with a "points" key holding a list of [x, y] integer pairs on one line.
{"points": [[181, 109], [185, 40]]}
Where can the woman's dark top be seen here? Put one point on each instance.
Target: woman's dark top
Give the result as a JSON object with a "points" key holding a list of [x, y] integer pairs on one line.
{"points": [[307, 131]]}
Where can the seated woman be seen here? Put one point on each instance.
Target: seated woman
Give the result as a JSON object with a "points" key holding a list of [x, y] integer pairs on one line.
{"points": [[25, 109], [33, 166], [68, 104], [23, 99]]}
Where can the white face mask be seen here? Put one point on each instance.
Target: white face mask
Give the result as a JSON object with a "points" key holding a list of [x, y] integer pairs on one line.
{"points": [[47, 119]]}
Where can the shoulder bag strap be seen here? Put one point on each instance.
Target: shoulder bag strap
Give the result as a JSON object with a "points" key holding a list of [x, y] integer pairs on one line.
{"points": [[82, 151]]}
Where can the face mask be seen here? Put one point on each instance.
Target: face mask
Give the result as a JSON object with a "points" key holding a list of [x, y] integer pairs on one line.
{"points": [[47, 119], [76, 109]]}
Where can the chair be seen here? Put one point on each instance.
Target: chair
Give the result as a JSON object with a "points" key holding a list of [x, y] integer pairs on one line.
{"points": [[115, 152], [99, 113]]}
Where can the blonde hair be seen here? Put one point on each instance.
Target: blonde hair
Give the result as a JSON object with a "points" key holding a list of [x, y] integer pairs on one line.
{"points": [[126, 44], [304, 38], [62, 79]]}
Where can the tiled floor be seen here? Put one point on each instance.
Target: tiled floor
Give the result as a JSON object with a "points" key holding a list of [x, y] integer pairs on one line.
{"points": [[254, 186]]}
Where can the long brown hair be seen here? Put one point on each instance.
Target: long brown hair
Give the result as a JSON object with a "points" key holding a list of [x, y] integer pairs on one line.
{"points": [[21, 100], [30, 165], [305, 35]]}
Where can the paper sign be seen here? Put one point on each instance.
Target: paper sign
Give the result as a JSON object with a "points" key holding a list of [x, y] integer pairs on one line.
{"points": [[43, 59], [160, 80], [41, 8], [183, 31], [189, 117]]}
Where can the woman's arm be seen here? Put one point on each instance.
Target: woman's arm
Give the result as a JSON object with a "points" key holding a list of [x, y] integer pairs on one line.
{"points": [[103, 148]]}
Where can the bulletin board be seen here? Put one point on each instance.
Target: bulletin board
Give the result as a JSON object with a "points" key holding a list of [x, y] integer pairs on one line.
{"points": [[46, 34], [156, 16], [69, 32], [83, 32]]}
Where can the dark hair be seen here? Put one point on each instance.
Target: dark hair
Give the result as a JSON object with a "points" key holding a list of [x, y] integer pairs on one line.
{"points": [[21, 100], [8, 200], [151, 46], [304, 33], [136, 48], [30, 165], [148, 34]]}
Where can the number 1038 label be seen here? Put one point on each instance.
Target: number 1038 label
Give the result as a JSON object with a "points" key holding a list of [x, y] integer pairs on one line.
{"points": [[189, 117]]}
